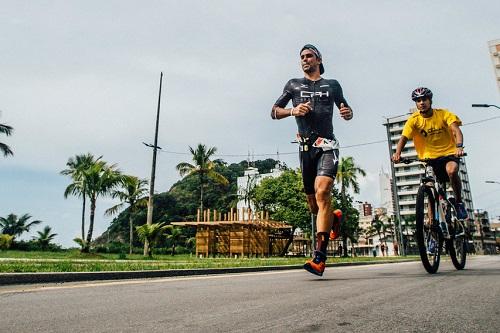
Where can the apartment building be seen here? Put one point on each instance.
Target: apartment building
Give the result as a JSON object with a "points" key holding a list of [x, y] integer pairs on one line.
{"points": [[494, 48]]}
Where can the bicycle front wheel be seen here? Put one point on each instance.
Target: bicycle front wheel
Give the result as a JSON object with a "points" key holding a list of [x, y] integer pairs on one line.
{"points": [[429, 236], [457, 246]]}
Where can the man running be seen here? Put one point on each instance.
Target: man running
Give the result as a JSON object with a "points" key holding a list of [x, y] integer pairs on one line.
{"points": [[437, 137], [312, 106]]}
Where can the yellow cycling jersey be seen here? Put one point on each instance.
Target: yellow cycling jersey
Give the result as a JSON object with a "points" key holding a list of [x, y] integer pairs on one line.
{"points": [[432, 136]]}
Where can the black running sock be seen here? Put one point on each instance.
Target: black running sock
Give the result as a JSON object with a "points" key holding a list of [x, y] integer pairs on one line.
{"points": [[322, 242]]}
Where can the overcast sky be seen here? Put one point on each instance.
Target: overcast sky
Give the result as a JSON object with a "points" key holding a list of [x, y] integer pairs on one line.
{"points": [[82, 76]]}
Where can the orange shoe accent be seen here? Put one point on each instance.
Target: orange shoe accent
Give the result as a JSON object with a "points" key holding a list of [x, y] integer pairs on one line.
{"points": [[337, 220], [315, 268]]}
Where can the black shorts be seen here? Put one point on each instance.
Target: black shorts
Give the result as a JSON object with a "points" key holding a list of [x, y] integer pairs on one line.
{"points": [[316, 162], [439, 166]]}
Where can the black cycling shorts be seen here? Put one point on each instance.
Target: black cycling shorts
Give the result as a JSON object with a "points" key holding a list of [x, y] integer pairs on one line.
{"points": [[316, 162], [439, 167]]}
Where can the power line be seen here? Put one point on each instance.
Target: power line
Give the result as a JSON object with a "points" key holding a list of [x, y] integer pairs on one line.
{"points": [[295, 152]]}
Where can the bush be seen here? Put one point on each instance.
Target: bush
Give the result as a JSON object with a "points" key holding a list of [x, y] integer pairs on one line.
{"points": [[112, 247], [5, 241], [34, 246]]}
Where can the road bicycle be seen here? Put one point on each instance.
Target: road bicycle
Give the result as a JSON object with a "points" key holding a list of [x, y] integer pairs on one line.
{"points": [[437, 222]]}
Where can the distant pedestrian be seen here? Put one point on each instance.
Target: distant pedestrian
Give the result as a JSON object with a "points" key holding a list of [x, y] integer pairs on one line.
{"points": [[339, 249], [382, 249], [396, 249]]}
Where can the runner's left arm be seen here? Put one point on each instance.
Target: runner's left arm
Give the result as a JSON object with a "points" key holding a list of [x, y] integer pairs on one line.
{"points": [[344, 108]]}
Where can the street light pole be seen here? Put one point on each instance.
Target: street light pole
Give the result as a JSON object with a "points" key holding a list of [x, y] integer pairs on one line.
{"points": [[485, 106], [395, 197], [155, 147]]}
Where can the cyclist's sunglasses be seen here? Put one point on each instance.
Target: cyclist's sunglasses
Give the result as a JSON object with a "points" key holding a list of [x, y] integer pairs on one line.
{"points": [[421, 99]]}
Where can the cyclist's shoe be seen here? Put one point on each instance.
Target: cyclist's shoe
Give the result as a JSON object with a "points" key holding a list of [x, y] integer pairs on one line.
{"points": [[431, 246], [316, 265], [337, 220], [461, 211]]}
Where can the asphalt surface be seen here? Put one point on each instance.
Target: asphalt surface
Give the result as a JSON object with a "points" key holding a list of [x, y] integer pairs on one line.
{"points": [[398, 297]]}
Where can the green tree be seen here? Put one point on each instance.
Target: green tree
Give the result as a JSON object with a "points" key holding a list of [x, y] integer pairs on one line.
{"points": [[283, 197], [347, 176], [7, 130], [76, 170], [16, 226], [132, 193], [203, 167], [349, 229], [45, 237], [100, 179], [175, 236], [150, 233]]}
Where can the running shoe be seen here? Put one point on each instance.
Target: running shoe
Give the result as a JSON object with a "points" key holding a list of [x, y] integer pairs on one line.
{"points": [[316, 265], [461, 211], [337, 220]]}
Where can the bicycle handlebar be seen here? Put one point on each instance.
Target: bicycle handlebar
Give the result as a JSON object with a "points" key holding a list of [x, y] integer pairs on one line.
{"points": [[425, 160]]}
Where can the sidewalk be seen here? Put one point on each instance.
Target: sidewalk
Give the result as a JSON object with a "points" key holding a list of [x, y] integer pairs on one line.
{"points": [[59, 277]]}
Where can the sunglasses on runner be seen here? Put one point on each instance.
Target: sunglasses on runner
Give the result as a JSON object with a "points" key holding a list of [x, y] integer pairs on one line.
{"points": [[308, 55]]}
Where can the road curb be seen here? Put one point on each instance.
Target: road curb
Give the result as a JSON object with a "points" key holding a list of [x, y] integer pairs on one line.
{"points": [[59, 277]]}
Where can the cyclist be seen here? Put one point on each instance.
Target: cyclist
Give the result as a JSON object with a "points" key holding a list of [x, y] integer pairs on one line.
{"points": [[438, 138], [313, 97]]}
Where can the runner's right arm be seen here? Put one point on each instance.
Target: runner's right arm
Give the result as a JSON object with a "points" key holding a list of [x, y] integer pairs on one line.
{"points": [[278, 110]]}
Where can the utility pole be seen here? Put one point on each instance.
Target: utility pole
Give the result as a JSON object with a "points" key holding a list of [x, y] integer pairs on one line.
{"points": [[155, 147], [395, 197]]}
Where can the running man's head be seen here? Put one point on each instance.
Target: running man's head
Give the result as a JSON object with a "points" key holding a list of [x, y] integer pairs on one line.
{"points": [[422, 98], [311, 60]]}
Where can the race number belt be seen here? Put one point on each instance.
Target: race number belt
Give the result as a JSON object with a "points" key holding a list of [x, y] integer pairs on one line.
{"points": [[325, 144]]}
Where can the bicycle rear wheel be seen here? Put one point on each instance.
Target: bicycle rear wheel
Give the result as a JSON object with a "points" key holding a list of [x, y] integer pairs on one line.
{"points": [[429, 236]]}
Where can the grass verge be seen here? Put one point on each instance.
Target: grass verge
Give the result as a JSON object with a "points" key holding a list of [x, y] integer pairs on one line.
{"points": [[33, 262]]}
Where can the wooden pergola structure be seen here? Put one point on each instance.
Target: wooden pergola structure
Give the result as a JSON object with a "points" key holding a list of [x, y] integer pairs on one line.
{"points": [[238, 233]]}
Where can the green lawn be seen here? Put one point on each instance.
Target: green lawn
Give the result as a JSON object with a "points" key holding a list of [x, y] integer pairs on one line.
{"points": [[74, 261]]}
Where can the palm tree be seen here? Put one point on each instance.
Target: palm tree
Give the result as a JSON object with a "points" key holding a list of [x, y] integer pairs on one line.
{"points": [[203, 167], [175, 235], [347, 176], [76, 167], [45, 237], [133, 191], [98, 180], [7, 130], [150, 233], [14, 226]]}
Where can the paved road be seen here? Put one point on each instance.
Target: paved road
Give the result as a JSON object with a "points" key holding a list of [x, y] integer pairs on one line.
{"points": [[391, 298]]}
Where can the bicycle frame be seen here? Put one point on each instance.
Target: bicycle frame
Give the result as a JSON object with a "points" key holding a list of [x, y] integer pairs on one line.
{"points": [[440, 198]]}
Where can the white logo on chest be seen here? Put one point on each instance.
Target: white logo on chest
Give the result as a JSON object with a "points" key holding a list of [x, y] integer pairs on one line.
{"points": [[309, 94]]}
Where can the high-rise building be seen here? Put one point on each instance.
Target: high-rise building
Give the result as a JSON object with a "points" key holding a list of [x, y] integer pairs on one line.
{"points": [[494, 47], [385, 183], [407, 176]]}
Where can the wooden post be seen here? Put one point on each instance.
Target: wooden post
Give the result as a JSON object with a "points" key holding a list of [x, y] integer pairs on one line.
{"points": [[231, 216], [215, 215], [198, 215], [208, 215]]}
